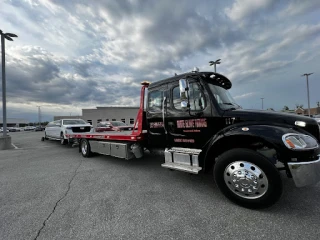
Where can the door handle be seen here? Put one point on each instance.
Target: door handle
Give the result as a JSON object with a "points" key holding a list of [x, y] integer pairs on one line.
{"points": [[163, 115]]}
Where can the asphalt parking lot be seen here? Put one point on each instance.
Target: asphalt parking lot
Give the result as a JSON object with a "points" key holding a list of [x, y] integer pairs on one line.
{"points": [[49, 191]]}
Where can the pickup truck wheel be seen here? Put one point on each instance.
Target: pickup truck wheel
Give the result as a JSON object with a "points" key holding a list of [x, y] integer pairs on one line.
{"points": [[62, 140], [85, 148], [248, 178], [45, 136]]}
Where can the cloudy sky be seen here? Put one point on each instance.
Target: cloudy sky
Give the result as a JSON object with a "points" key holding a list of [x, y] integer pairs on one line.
{"points": [[71, 55]]}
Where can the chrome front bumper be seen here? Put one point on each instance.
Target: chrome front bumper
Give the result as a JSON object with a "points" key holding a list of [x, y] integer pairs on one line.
{"points": [[305, 173]]}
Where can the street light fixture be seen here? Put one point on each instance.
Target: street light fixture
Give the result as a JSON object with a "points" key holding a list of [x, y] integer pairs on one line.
{"points": [[307, 74], [9, 37], [215, 63]]}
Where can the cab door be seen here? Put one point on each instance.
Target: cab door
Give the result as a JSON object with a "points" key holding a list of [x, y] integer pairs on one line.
{"points": [[156, 115], [188, 128]]}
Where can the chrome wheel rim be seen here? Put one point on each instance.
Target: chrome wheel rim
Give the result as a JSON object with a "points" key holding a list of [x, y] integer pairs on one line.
{"points": [[246, 179], [61, 139], [84, 147]]}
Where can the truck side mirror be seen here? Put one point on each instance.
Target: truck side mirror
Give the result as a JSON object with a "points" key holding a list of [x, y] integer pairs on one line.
{"points": [[183, 93]]}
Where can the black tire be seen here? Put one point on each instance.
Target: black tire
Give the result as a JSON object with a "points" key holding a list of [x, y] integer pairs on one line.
{"points": [[45, 136], [248, 178], [85, 148], [62, 140]]}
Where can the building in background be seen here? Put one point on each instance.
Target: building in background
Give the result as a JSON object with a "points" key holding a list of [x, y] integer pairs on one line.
{"points": [[101, 114], [66, 117], [15, 122], [302, 111]]}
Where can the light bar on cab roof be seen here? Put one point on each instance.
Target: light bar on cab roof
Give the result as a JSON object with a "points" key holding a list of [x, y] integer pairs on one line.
{"points": [[145, 83]]}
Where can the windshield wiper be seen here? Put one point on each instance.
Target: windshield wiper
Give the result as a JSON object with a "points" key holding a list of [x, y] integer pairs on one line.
{"points": [[232, 104]]}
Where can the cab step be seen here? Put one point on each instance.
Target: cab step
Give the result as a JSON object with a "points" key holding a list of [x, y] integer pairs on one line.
{"points": [[182, 159]]}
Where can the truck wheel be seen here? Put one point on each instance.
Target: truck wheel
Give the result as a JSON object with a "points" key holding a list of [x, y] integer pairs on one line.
{"points": [[62, 140], [248, 178], [45, 136], [85, 148]]}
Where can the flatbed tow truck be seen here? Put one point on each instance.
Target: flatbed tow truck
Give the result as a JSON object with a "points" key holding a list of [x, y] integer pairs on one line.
{"points": [[198, 126]]}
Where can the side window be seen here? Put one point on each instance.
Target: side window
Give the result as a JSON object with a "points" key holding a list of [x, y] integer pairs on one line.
{"points": [[196, 97], [176, 98], [155, 101]]}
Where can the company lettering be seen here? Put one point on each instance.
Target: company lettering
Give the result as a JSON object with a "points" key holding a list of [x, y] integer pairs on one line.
{"points": [[156, 125], [184, 140], [192, 123]]}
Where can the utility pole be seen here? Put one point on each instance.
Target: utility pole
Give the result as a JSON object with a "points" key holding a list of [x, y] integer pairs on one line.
{"points": [[9, 37], [307, 74], [215, 63], [262, 103], [39, 115]]}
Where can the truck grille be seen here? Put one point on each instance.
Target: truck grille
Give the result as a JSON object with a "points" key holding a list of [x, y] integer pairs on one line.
{"points": [[81, 129]]}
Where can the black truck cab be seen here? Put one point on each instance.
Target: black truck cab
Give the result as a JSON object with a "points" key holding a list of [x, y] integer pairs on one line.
{"points": [[200, 126]]}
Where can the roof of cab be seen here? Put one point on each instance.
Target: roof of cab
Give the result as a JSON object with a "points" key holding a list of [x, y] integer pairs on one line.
{"points": [[218, 77]]}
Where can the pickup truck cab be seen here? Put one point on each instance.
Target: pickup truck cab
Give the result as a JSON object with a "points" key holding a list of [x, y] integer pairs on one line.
{"points": [[199, 127]]}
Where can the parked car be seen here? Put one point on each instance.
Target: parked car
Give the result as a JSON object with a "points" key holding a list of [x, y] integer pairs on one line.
{"points": [[317, 118], [113, 126], [39, 128], [29, 128], [58, 129], [14, 129], [1, 130]]}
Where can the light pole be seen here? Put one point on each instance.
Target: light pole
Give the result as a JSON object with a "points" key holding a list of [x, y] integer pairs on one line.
{"points": [[215, 63], [39, 115], [262, 103], [307, 74], [9, 37]]}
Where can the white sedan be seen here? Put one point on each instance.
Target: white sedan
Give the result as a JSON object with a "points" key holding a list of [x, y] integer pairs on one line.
{"points": [[58, 129], [1, 130]]}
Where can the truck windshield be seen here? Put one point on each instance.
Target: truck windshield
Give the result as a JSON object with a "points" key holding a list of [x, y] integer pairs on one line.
{"points": [[223, 97]]}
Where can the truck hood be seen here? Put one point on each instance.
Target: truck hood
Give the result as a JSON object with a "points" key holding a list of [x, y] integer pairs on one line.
{"points": [[271, 117]]}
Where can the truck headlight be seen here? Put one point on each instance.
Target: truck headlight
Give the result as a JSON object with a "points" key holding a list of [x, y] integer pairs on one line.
{"points": [[295, 141]]}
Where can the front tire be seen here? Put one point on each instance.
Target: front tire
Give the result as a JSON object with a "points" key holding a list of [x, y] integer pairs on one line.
{"points": [[62, 140], [248, 178], [85, 148]]}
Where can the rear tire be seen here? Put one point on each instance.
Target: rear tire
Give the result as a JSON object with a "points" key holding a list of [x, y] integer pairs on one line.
{"points": [[85, 148], [248, 178], [62, 140]]}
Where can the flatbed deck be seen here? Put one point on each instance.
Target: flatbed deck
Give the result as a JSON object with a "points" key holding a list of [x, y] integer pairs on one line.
{"points": [[114, 136], [137, 134]]}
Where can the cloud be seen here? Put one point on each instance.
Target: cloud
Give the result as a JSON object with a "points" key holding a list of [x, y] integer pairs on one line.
{"points": [[245, 95], [244, 9], [297, 7], [86, 54]]}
